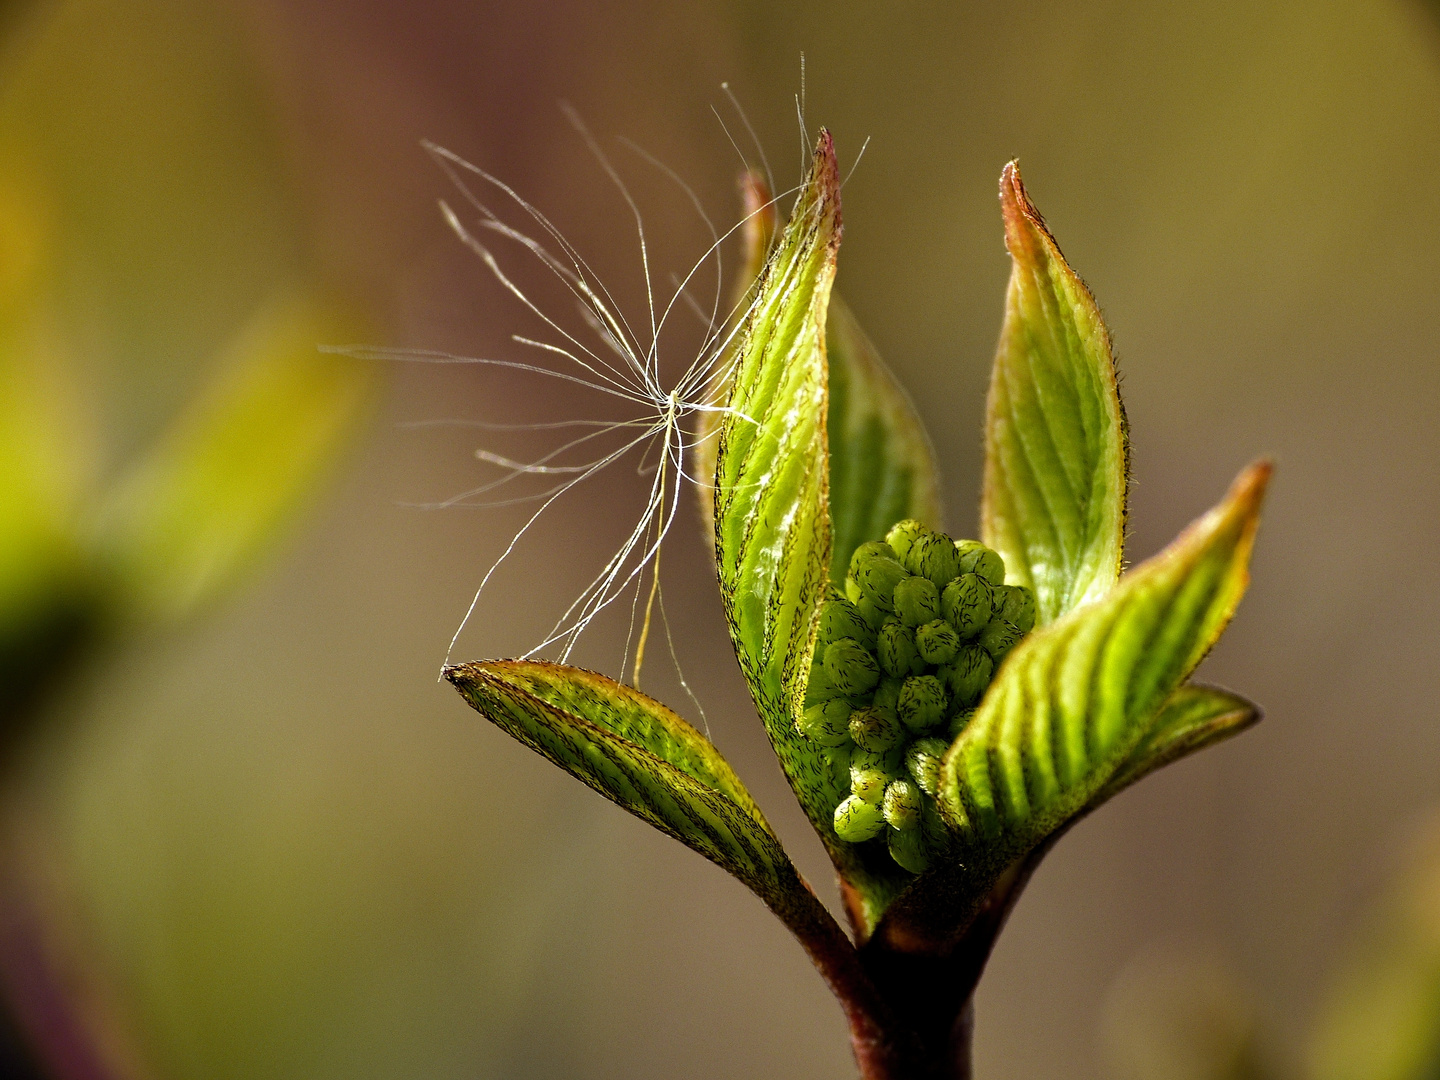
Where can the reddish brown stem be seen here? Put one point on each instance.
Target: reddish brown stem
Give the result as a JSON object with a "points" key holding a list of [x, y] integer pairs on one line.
{"points": [[906, 1022], [909, 995]]}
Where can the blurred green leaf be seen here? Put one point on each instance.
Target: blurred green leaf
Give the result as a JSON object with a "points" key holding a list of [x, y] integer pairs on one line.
{"points": [[174, 213], [1381, 1018], [1195, 717], [637, 753], [48, 603], [1175, 1015], [882, 467], [203, 502], [1056, 460], [46, 441]]}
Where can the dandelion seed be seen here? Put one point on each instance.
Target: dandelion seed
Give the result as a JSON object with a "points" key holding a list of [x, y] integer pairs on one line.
{"points": [[611, 358]]}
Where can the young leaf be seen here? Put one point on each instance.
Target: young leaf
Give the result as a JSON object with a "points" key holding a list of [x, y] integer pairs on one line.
{"points": [[213, 490], [1195, 717], [772, 522], [1075, 700], [1056, 449], [637, 753], [882, 467], [772, 529]]}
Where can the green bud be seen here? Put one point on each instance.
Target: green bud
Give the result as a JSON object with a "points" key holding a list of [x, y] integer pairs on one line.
{"points": [[922, 702], [869, 784], [966, 603], [874, 616], [895, 647], [867, 551], [878, 576], [937, 642], [902, 805], [933, 557], [857, 820], [934, 829], [839, 619], [999, 638], [959, 720], [827, 722], [820, 687], [875, 729], [916, 600], [850, 666], [976, 558], [902, 534], [852, 590], [1016, 604], [887, 693], [891, 762], [922, 761], [969, 673], [837, 759], [908, 849]]}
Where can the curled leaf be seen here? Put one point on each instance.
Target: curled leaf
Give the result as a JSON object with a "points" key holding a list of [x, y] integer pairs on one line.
{"points": [[772, 521], [1056, 448], [1195, 717], [882, 466], [772, 528]]}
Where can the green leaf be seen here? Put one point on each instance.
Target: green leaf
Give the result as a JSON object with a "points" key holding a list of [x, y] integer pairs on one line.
{"points": [[640, 755], [213, 491], [882, 467], [49, 605], [772, 529], [1076, 699], [1072, 706], [1056, 448], [772, 522], [1195, 717]]}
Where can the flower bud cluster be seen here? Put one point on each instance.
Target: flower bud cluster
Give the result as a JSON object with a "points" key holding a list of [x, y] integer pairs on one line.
{"points": [[902, 660]]}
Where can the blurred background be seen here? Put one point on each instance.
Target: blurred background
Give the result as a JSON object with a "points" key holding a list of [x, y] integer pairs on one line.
{"points": [[248, 833]]}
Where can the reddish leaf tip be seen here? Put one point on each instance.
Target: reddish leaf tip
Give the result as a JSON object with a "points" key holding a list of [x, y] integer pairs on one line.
{"points": [[825, 146], [827, 179], [1024, 224], [1248, 489]]}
